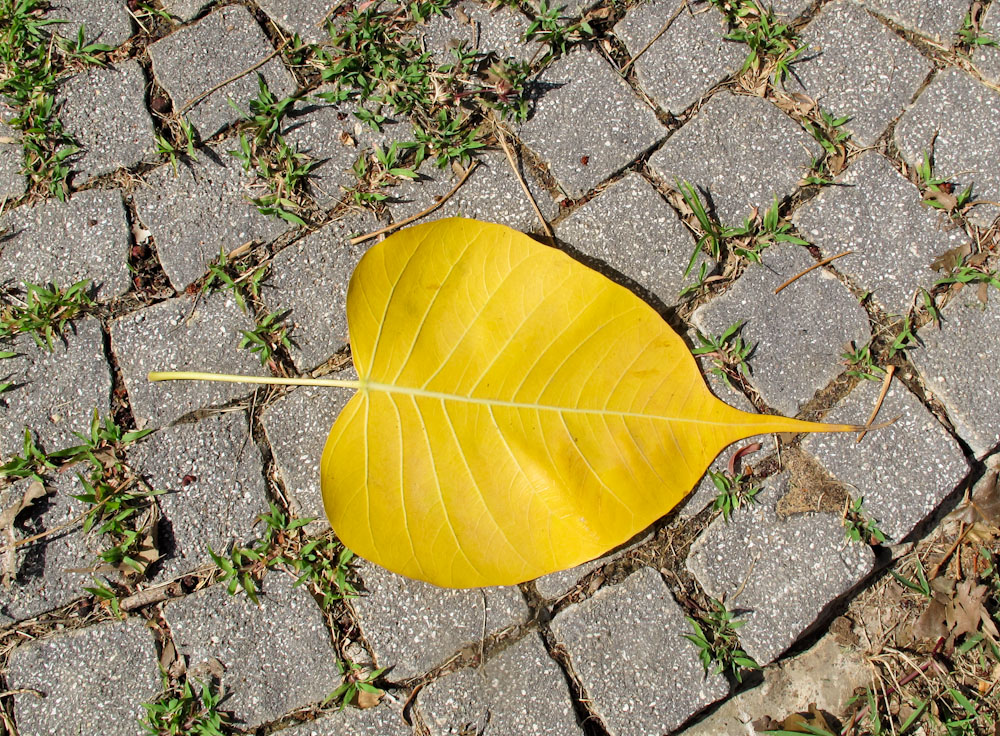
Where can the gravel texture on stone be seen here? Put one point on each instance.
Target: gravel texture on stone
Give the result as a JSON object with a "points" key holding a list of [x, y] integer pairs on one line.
{"points": [[212, 474], [788, 569], [789, 9], [688, 59], [44, 580], [412, 626], [276, 657], [182, 334], [798, 334], [959, 367], [557, 584], [966, 148], [904, 471], [184, 10], [12, 182], [307, 18], [309, 280], [520, 691], [95, 680], [103, 109], [939, 20], [856, 66], [196, 58], [498, 31], [54, 394], [103, 21], [491, 193], [630, 229], [876, 213], [738, 152], [705, 492], [85, 237], [380, 721], [587, 123], [987, 58], [626, 644], [201, 209], [297, 425], [335, 138]]}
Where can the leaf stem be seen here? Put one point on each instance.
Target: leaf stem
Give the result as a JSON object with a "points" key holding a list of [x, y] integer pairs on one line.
{"points": [[265, 380]]}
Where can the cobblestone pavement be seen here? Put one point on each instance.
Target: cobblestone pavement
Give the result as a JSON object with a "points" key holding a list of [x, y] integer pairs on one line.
{"points": [[615, 127]]}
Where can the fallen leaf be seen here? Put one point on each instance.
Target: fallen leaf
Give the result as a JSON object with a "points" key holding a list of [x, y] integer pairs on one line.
{"points": [[8, 541], [951, 259], [814, 719], [517, 412], [965, 611], [931, 623], [364, 699]]}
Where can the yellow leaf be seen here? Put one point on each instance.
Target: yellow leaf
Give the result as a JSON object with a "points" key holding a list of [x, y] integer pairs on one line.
{"points": [[517, 412]]}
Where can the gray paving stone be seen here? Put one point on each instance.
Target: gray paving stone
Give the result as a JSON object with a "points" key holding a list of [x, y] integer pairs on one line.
{"points": [[634, 231], [304, 17], [85, 237], [194, 59], [103, 109], [876, 212], [276, 657], [333, 136], [309, 279], [685, 61], [12, 182], [184, 10], [739, 152], [496, 31], [202, 209], [297, 425], [965, 148], [939, 20], [856, 66], [557, 584], [212, 472], [519, 691], [903, 471], [182, 335], [627, 646], [957, 366], [789, 9], [95, 680], [491, 193], [587, 113], [103, 21], [705, 492], [46, 570], [412, 626], [54, 394], [787, 569], [798, 334], [987, 58], [380, 721]]}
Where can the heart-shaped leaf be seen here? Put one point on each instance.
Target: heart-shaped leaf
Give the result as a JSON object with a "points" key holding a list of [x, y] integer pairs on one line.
{"points": [[517, 413]]}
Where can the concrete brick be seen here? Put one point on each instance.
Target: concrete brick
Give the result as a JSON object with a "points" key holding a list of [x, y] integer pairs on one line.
{"points": [[798, 334], [938, 20], [738, 152], [412, 626], [194, 59], [181, 335], [788, 570], [876, 213], [625, 643], [964, 147], [903, 471], [85, 237], [587, 113], [103, 21], [856, 66], [687, 60]]}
